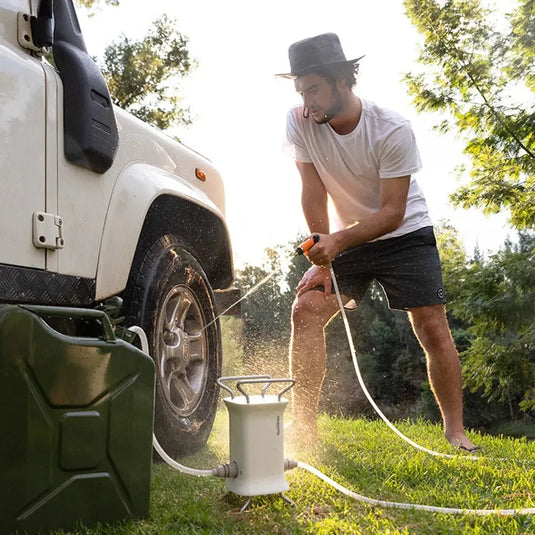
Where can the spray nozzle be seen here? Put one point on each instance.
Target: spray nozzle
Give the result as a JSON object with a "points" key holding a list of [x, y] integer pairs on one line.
{"points": [[307, 244]]}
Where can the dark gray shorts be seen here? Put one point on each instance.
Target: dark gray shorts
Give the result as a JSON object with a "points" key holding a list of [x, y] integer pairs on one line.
{"points": [[407, 268]]}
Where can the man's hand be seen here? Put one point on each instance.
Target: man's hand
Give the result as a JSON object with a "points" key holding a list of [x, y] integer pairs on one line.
{"points": [[325, 250], [316, 276]]}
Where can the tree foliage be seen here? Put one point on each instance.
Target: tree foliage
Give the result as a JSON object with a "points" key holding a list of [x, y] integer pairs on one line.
{"points": [[92, 5], [95, 3], [143, 75], [266, 312], [480, 69], [497, 300]]}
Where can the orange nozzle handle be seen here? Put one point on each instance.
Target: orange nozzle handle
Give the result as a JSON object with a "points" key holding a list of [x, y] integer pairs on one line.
{"points": [[307, 244]]}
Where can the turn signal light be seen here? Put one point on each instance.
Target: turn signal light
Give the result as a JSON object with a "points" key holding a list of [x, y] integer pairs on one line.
{"points": [[200, 174]]}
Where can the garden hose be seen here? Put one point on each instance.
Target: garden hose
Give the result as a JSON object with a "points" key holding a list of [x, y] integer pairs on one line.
{"points": [[415, 506]]}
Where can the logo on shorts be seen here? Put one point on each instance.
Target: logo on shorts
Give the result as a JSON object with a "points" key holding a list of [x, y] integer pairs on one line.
{"points": [[440, 293]]}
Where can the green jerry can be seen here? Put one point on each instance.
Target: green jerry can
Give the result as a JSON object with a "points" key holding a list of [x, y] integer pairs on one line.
{"points": [[76, 424]]}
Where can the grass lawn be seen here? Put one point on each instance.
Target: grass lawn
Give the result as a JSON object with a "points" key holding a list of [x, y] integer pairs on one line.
{"points": [[366, 457]]}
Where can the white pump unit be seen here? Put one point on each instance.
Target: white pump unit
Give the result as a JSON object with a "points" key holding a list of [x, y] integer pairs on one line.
{"points": [[256, 426]]}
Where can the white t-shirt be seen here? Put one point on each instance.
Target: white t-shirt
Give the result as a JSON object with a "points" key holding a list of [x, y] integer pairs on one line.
{"points": [[350, 166]]}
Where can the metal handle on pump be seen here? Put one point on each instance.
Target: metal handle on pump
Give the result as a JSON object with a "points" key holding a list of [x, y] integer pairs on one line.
{"points": [[239, 378], [269, 382]]}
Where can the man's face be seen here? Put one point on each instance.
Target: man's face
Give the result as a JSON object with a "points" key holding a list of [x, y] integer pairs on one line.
{"points": [[322, 99]]}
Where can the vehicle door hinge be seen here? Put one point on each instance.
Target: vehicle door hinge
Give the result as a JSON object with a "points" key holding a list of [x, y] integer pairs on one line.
{"points": [[33, 33], [47, 231]]}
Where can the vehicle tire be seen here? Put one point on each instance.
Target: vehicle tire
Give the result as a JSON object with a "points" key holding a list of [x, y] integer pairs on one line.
{"points": [[169, 296]]}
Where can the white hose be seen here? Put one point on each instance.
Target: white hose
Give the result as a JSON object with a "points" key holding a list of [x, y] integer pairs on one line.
{"points": [[365, 390], [398, 505], [178, 466]]}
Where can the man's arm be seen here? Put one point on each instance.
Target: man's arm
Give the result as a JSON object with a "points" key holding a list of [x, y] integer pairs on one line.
{"points": [[313, 199], [388, 218], [314, 204]]}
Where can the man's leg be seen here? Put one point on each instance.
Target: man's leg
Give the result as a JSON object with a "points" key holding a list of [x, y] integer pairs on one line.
{"points": [[308, 359], [431, 327]]}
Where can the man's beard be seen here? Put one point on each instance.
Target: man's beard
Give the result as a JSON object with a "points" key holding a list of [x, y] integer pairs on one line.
{"points": [[331, 112]]}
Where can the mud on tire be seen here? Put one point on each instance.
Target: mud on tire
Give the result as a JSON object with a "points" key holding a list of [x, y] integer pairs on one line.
{"points": [[169, 296]]}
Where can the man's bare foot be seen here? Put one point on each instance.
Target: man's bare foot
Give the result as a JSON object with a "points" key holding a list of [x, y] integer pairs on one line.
{"points": [[460, 440]]}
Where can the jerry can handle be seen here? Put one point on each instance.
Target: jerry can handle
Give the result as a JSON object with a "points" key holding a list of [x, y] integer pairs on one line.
{"points": [[66, 312]]}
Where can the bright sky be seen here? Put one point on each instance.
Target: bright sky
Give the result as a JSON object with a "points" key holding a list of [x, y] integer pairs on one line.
{"points": [[239, 107]]}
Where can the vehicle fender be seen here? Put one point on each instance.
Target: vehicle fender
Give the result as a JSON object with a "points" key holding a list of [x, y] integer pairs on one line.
{"points": [[137, 187]]}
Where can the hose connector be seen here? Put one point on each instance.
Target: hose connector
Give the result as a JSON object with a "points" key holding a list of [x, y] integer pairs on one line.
{"points": [[290, 464], [227, 470]]}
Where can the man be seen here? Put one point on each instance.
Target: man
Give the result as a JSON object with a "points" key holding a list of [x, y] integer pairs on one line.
{"points": [[362, 157]]}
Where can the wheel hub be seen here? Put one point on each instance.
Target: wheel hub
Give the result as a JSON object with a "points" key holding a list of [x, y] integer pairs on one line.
{"points": [[182, 352], [177, 346]]}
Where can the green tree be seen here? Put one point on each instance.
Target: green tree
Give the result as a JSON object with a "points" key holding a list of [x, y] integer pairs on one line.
{"points": [[264, 312], [391, 359], [265, 316], [143, 75], [480, 69], [92, 5], [497, 300]]}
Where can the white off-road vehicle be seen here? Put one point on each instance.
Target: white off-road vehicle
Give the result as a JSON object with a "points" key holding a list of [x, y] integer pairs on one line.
{"points": [[96, 204]]}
